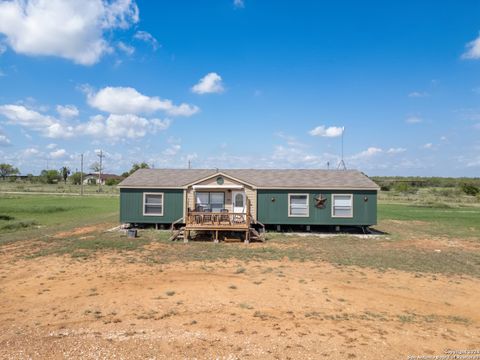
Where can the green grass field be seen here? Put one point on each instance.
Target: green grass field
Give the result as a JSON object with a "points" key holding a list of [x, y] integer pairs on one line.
{"points": [[40, 217], [60, 188], [33, 216]]}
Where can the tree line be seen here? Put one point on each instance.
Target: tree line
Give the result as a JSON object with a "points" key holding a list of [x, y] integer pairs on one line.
{"points": [[52, 176]]}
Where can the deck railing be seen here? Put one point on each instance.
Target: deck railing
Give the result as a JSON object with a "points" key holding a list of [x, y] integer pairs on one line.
{"points": [[218, 219]]}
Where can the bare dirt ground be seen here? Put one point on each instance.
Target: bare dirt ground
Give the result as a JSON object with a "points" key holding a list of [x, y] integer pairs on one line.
{"points": [[110, 306]]}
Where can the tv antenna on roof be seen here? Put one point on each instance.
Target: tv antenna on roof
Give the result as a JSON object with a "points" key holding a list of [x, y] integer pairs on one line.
{"points": [[341, 164]]}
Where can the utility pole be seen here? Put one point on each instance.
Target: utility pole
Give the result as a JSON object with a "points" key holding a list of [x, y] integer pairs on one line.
{"points": [[101, 156], [81, 175], [189, 164]]}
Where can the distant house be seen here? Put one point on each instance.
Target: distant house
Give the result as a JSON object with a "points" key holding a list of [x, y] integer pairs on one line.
{"points": [[93, 179], [235, 199]]}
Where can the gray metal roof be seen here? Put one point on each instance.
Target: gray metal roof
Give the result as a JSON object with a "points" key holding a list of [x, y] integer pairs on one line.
{"points": [[261, 178]]}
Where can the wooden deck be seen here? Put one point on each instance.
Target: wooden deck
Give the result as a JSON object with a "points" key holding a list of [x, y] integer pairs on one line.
{"points": [[216, 222]]}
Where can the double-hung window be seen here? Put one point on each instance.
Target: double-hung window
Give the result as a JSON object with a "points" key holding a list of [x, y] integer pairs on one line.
{"points": [[298, 205], [153, 204], [210, 201], [342, 205]]}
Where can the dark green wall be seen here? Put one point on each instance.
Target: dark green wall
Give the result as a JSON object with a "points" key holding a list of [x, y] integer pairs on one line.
{"points": [[276, 212], [131, 206]]}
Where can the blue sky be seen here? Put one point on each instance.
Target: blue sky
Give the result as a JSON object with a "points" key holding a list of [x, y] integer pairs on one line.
{"points": [[240, 84]]}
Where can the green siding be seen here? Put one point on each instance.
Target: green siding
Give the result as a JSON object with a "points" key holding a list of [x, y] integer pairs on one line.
{"points": [[276, 212], [131, 206]]}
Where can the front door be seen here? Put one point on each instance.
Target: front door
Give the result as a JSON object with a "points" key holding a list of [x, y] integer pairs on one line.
{"points": [[239, 202]]}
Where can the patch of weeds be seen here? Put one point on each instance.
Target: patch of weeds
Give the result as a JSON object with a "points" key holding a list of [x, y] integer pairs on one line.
{"points": [[406, 318], [6, 217], [369, 315], [245, 306], [93, 292], [167, 315], [458, 319], [233, 287], [148, 315], [97, 314], [312, 314], [170, 293], [263, 316], [17, 225], [240, 270]]}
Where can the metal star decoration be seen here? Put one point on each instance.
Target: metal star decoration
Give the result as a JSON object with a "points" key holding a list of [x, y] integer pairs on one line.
{"points": [[320, 201]]}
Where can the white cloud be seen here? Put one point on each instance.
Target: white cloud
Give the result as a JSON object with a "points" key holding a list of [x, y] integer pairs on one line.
{"points": [[117, 127], [72, 29], [58, 154], [127, 49], [30, 152], [148, 38], [290, 140], [172, 150], [331, 131], [239, 4], [127, 100], [67, 111], [4, 140], [371, 151], [413, 120], [428, 146], [114, 127], [210, 83], [396, 150], [473, 49], [418, 94], [33, 120]]}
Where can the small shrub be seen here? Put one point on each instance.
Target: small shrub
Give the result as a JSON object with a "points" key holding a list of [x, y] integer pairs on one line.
{"points": [[112, 182], [6, 217], [470, 189], [18, 225], [405, 188]]}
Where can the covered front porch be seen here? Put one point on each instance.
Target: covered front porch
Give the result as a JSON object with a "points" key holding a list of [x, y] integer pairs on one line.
{"points": [[220, 206]]}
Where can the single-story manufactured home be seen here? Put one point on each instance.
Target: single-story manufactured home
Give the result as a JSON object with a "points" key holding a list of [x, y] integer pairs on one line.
{"points": [[232, 199]]}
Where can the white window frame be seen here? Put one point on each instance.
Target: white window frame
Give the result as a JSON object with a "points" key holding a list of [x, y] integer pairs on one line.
{"points": [[308, 205], [210, 198], [333, 206], [144, 203]]}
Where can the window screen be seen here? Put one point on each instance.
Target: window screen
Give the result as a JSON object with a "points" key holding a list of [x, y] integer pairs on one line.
{"points": [[298, 205], [342, 206], [153, 204]]}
